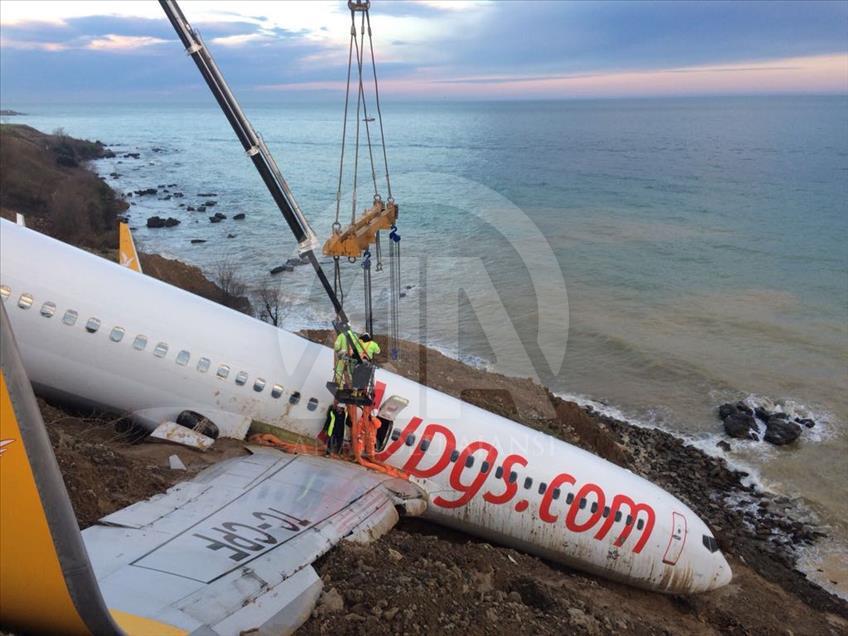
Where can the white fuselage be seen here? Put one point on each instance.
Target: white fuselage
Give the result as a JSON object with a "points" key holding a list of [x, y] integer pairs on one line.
{"points": [[485, 474]]}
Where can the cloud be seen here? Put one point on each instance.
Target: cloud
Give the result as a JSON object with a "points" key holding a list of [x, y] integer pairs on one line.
{"points": [[241, 39], [112, 42]]}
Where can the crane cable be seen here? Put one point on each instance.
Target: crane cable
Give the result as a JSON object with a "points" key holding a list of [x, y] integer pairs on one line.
{"points": [[357, 46]]}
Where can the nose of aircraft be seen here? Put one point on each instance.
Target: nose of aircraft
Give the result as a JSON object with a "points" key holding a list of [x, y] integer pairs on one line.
{"points": [[722, 573]]}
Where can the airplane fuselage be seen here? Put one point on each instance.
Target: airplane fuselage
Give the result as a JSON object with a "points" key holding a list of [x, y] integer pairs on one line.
{"points": [[92, 330]]}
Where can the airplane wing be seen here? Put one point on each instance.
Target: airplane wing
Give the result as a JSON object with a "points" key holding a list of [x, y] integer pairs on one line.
{"points": [[225, 553], [231, 550]]}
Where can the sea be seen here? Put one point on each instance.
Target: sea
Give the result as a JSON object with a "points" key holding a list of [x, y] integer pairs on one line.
{"points": [[651, 257]]}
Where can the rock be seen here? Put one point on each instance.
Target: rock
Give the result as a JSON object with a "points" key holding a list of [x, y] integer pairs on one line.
{"points": [[178, 195], [215, 219], [587, 622], [762, 413], [190, 208], [239, 217], [780, 431], [741, 426], [278, 269], [207, 194], [131, 155], [157, 149], [402, 294], [805, 421], [727, 409], [201, 208], [220, 216], [171, 222], [394, 555], [231, 235], [146, 191], [390, 614], [330, 602], [209, 204], [483, 582], [155, 222], [724, 445], [197, 241]]}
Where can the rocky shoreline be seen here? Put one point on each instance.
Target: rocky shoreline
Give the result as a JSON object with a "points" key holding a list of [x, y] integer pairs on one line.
{"points": [[421, 578]]}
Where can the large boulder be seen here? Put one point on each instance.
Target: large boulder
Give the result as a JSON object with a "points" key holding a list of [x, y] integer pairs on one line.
{"points": [[780, 431], [741, 425]]}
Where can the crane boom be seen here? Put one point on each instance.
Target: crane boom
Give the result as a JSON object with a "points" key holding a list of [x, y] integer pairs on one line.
{"points": [[255, 147]]}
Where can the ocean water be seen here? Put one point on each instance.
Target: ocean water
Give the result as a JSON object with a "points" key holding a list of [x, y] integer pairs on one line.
{"points": [[657, 256]]}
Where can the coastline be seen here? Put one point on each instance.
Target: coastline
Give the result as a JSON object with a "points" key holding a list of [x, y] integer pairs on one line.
{"points": [[759, 535]]}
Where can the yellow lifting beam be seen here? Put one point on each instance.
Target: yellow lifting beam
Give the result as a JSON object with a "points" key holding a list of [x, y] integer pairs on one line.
{"points": [[356, 237]]}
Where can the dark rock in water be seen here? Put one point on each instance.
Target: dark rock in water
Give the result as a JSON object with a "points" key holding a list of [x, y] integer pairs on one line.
{"points": [[167, 197], [231, 235], [201, 208], [409, 286], [190, 208], [780, 431], [239, 217], [741, 426], [402, 294], [805, 421], [178, 195], [197, 241], [744, 408], [131, 155], [780, 416], [282, 268], [182, 205], [207, 194], [157, 149], [209, 204], [114, 175], [724, 445], [726, 410], [157, 222], [146, 191], [128, 194], [220, 215], [762, 413], [215, 219]]}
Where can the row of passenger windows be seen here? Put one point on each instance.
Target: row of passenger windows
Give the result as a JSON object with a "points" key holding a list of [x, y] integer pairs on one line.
{"points": [[140, 342], [528, 481]]}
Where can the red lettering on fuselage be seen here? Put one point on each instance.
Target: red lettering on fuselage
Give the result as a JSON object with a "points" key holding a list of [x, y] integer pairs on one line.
{"points": [[591, 495]]}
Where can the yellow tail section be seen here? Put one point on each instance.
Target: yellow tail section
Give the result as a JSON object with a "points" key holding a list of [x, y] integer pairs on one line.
{"points": [[127, 255]]}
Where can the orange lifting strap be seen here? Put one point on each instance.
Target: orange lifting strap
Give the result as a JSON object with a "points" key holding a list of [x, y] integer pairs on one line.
{"points": [[356, 237]]}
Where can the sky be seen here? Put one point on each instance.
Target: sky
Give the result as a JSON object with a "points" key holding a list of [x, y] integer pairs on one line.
{"points": [[126, 51]]}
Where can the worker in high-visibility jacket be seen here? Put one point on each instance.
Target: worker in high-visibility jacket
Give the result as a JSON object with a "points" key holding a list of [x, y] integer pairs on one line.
{"points": [[370, 346], [343, 348], [334, 428]]}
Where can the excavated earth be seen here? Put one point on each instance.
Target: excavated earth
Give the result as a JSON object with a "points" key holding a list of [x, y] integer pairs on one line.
{"points": [[420, 578]]}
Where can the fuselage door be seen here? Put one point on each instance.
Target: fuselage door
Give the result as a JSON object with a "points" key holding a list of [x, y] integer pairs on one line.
{"points": [[677, 540]]}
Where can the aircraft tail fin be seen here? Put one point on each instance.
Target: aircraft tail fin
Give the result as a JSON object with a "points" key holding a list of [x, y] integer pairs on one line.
{"points": [[127, 254], [46, 582]]}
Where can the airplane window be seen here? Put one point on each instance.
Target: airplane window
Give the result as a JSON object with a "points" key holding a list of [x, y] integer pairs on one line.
{"points": [[48, 309], [161, 350], [569, 498], [542, 488], [183, 357], [117, 334], [294, 398], [528, 482], [203, 365], [396, 434], [628, 521], [70, 317], [606, 512], [582, 503], [594, 507], [617, 516], [223, 371], [25, 301], [484, 467], [241, 378], [499, 472], [140, 343], [557, 493], [709, 543], [410, 440], [259, 385], [277, 391], [424, 445], [5, 291], [92, 325], [512, 477], [640, 524], [469, 461]]}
